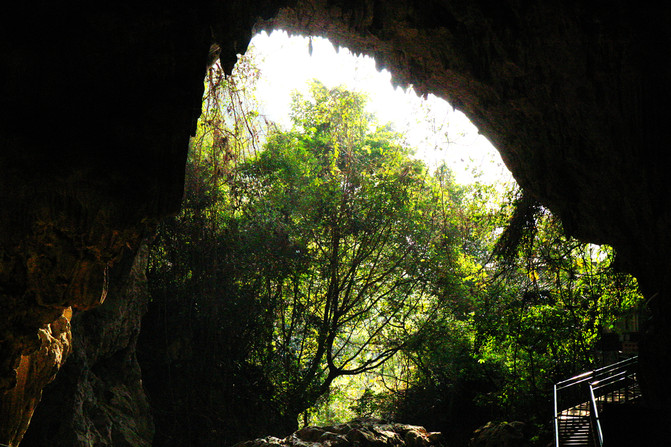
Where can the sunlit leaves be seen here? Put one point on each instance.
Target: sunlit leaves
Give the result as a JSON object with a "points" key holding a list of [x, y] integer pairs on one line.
{"points": [[358, 218]]}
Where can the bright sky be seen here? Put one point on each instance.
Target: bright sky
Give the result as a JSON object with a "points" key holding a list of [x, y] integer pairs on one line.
{"points": [[430, 125]]}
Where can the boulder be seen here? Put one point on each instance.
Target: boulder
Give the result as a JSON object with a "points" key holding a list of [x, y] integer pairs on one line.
{"points": [[500, 434]]}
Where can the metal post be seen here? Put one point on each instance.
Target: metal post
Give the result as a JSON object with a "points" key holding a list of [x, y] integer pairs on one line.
{"points": [[595, 416], [556, 416]]}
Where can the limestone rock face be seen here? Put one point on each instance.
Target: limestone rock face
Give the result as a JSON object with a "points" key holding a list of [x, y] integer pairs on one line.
{"points": [[359, 433], [34, 372], [98, 394]]}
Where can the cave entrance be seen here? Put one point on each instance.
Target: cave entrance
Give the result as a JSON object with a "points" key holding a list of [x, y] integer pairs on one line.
{"points": [[288, 250], [438, 132], [282, 200]]}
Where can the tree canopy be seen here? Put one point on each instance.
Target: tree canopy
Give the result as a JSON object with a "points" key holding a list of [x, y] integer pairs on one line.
{"points": [[351, 218]]}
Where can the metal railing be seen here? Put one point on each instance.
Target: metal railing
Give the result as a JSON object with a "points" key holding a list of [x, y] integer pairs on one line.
{"points": [[584, 396]]}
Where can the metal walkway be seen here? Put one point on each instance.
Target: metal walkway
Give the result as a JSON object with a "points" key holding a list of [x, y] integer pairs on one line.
{"points": [[579, 400]]}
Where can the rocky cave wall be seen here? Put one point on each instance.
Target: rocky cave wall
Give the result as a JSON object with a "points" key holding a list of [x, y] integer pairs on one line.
{"points": [[97, 110], [99, 100], [98, 393]]}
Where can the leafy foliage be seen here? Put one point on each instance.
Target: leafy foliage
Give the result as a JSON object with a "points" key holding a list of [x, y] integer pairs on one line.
{"points": [[350, 217], [529, 320], [205, 318]]}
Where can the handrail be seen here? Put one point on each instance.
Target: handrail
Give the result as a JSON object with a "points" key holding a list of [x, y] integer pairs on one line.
{"points": [[556, 413], [622, 375], [592, 385], [595, 416], [574, 380], [605, 370], [583, 377]]}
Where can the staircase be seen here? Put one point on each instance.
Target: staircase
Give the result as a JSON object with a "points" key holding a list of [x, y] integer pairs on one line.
{"points": [[575, 427], [579, 400]]}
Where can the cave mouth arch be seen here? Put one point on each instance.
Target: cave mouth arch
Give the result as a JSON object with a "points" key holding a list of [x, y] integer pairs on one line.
{"points": [[278, 430], [281, 64], [574, 97]]}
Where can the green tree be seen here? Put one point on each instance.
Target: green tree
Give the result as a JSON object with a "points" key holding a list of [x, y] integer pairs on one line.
{"points": [[553, 296], [353, 220], [438, 380]]}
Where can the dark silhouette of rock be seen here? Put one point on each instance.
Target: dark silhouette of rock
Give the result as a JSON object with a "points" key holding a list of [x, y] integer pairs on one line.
{"points": [[502, 434], [359, 433]]}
